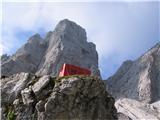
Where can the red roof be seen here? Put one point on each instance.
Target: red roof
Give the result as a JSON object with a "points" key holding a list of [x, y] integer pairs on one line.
{"points": [[68, 69]]}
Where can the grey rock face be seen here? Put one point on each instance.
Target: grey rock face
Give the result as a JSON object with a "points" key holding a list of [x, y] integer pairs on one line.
{"points": [[66, 44], [135, 110], [79, 98], [40, 106], [139, 79], [42, 82], [23, 111], [4, 58], [136, 85], [122, 116], [27, 96], [26, 59], [69, 98], [11, 87]]}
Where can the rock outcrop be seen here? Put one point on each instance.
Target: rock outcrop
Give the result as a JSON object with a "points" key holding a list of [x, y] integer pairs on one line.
{"points": [[135, 110], [136, 87], [66, 44], [139, 79], [11, 87], [27, 97]]}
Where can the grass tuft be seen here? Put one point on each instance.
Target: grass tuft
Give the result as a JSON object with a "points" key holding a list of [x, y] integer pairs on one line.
{"points": [[11, 115]]}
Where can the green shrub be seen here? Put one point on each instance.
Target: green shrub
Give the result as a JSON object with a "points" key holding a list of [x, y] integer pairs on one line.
{"points": [[11, 115]]}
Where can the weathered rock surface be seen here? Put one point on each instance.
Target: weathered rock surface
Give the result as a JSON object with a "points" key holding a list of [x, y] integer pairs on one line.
{"points": [[28, 97], [42, 82], [66, 44], [139, 79], [122, 116], [136, 110], [79, 98], [26, 59], [4, 58], [11, 87], [136, 87]]}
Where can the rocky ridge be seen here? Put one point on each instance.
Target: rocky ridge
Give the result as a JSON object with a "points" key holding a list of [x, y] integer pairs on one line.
{"points": [[26, 97], [66, 44], [136, 86], [136, 110]]}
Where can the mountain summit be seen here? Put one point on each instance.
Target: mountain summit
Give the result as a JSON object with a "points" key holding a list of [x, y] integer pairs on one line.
{"points": [[32, 90], [136, 87], [66, 44], [139, 79]]}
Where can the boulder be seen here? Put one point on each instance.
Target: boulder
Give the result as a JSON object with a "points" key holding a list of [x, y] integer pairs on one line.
{"points": [[11, 87], [42, 82]]}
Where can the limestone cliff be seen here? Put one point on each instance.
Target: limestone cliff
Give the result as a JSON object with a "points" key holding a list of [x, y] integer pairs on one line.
{"points": [[139, 79], [66, 44], [136, 87]]}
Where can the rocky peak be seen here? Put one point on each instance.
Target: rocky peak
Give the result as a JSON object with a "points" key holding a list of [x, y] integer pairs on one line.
{"points": [[121, 71], [71, 31], [136, 87], [32, 44], [66, 44], [35, 39], [26, 58], [66, 25], [139, 79]]}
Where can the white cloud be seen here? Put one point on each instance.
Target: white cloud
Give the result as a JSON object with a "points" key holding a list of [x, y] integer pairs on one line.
{"points": [[17, 15]]}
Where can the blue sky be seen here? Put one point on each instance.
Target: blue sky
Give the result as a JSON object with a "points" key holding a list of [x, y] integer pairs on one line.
{"points": [[121, 30]]}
